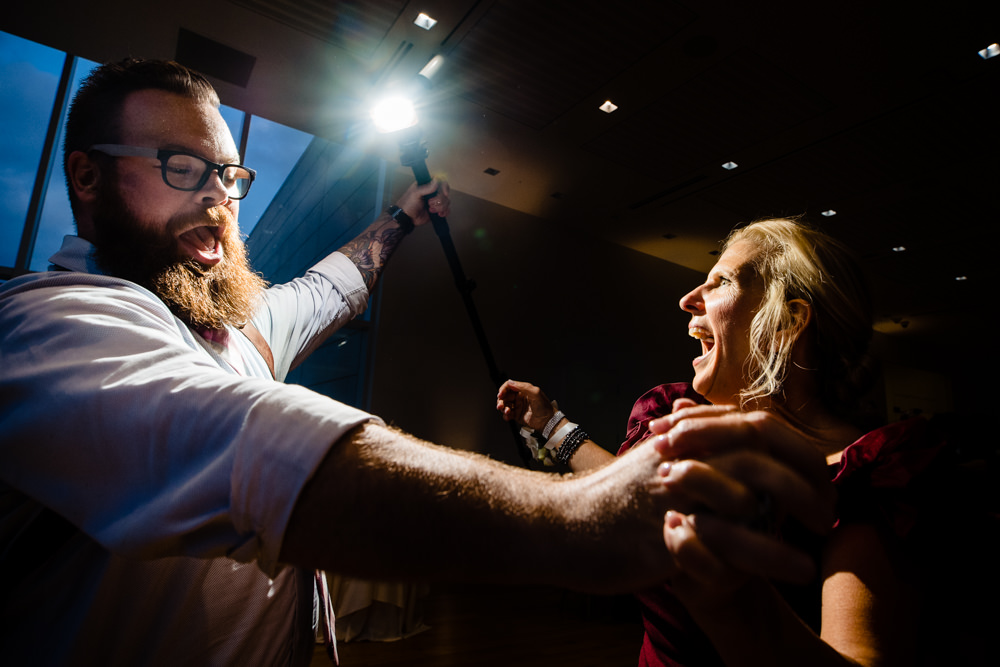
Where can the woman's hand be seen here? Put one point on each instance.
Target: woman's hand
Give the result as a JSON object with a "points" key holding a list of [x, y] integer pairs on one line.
{"points": [[525, 404], [740, 456], [732, 477], [703, 580]]}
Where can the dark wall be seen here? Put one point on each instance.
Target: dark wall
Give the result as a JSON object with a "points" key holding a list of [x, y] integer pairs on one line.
{"points": [[595, 325]]}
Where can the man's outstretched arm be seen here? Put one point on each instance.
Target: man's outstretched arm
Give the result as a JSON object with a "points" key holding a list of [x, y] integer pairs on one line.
{"points": [[384, 504]]}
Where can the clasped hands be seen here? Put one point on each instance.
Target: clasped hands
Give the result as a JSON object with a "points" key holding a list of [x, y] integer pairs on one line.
{"points": [[730, 479]]}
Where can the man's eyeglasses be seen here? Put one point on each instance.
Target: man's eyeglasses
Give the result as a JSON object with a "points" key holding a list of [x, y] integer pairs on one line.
{"points": [[183, 171]]}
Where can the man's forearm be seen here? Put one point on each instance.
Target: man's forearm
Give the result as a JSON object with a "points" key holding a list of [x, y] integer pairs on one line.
{"points": [[371, 249], [386, 505]]}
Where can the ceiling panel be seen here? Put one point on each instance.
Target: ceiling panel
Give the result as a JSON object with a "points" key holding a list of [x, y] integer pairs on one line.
{"points": [[741, 101], [357, 26], [879, 109], [534, 61]]}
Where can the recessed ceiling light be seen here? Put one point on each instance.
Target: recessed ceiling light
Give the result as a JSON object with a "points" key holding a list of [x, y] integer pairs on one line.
{"points": [[990, 51], [730, 165], [961, 278], [424, 21], [608, 107], [899, 248], [432, 66], [829, 213]]}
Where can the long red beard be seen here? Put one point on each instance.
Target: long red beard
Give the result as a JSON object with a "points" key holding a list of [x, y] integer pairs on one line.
{"points": [[214, 296], [202, 296]]}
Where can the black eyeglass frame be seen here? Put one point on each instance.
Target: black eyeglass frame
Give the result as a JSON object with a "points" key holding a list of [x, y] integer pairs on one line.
{"points": [[163, 154]]}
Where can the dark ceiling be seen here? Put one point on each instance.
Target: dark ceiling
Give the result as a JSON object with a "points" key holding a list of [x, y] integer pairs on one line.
{"points": [[880, 111]]}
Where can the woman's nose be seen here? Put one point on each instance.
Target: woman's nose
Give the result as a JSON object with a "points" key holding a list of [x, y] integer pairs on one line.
{"points": [[692, 301]]}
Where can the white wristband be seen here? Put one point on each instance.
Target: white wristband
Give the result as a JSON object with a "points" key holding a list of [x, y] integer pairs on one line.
{"points": [[563, 431]]}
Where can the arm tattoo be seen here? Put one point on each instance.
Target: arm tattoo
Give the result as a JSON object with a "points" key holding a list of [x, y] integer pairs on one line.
{"points": [[371, 250]]}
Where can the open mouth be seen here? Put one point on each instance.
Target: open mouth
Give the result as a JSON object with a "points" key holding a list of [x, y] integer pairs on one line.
{"points": [[202, 244], [706, 338]]}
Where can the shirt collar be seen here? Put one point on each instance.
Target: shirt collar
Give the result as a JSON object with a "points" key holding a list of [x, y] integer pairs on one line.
{"points": [[76, 254]]}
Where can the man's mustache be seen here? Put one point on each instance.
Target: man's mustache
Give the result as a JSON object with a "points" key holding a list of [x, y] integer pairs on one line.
{"points": [[217, 216]]}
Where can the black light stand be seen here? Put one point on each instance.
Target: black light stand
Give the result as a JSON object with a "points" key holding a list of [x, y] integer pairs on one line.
{"points": [[413, 154]]}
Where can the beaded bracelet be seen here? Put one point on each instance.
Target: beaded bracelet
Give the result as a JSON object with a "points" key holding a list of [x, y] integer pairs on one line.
{"points": [[570, 444], [561, 433]]}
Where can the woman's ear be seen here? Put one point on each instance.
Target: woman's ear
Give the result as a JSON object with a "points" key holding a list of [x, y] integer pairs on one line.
{"points": [[800, 311]]}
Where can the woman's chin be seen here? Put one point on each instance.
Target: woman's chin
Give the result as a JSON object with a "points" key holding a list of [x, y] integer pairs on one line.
{"points": [[701, 385], [715, 394]]}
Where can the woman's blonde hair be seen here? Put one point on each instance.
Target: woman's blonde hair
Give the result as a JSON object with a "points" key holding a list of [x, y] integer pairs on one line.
{"points": [[796, 261]]}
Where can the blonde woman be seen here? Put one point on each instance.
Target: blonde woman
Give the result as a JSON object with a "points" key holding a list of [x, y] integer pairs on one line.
{"points": [[784, 322]]}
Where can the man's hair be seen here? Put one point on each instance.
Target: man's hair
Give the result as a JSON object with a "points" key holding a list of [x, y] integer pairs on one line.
{"points": [[796, 261], [95, 114]]}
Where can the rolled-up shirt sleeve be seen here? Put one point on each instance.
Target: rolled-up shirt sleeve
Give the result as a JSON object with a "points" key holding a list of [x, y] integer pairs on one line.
{"points": [[300, 315]]}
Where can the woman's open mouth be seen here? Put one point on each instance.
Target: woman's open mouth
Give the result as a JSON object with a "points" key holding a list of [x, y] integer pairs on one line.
{"points": [[706, 338]]}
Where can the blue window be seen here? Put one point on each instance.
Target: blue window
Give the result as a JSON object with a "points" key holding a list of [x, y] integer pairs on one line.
{"points": [[37, 83], [29, 78]]}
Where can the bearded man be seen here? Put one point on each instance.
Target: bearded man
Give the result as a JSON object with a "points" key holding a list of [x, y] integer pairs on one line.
{"points": [[163, 500]]}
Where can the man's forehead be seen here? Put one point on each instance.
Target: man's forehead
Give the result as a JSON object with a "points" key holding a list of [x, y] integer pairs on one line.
{"points": [[161, 119]]}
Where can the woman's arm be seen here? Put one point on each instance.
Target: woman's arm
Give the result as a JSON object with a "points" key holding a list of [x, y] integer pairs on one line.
{"points": [[867, 616], [528, 406], [868, 613]]}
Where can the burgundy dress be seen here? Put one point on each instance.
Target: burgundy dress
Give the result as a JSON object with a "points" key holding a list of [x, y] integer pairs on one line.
{"points": [[880, 478]]}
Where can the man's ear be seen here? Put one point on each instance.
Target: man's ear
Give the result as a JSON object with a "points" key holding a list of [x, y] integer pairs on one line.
{"points": [[84, 176]]}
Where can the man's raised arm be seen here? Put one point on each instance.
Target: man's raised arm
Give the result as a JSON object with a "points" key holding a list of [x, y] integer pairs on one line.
{"points": [[371, 249]]}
